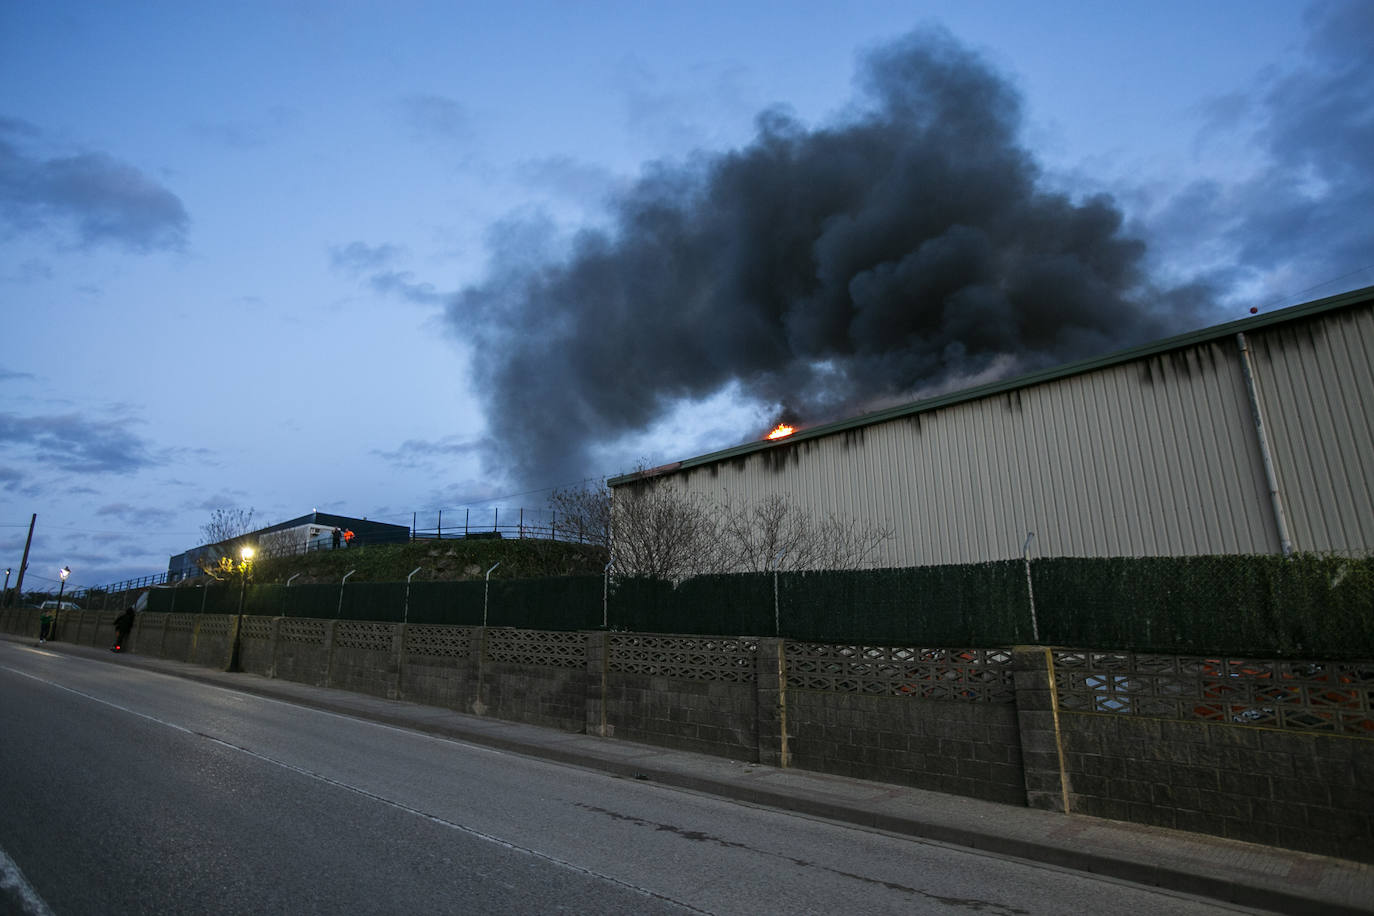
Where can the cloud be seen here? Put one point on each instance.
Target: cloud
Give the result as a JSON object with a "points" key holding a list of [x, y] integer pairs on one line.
{"points": [[415, 453], [402, 283], [360, 257], [242, 135], [1302, 220], [585, 183], [11, 480], [141, 518], [221, 500], [104, 200], [819, 270], [374, 261], [30, 270], [74, 443], [436, 118]]}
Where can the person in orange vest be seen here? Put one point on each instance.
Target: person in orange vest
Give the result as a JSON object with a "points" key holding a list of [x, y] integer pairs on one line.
{"points": [[348, 537]]}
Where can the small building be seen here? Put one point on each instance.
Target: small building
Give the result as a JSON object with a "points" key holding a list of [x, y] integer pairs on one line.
{"points": [[1251, 437], [299, 535]]}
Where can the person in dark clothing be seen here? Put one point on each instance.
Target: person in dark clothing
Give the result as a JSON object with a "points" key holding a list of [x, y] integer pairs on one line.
{"points": [[123, 624], [335, 536]]}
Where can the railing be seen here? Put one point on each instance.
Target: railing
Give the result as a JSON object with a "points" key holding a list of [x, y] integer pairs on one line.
{"points": [[104, 593], [540, 524]]}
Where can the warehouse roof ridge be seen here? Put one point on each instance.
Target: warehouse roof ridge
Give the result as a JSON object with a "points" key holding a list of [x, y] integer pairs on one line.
{"points": [[1176, 342]]}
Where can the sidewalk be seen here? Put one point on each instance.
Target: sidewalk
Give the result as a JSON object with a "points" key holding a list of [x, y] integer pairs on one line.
{"points": [[1250, 875]]}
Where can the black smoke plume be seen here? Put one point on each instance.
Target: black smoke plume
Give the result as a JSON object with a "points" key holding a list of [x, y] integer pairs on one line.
{"points": [[905, 249]]}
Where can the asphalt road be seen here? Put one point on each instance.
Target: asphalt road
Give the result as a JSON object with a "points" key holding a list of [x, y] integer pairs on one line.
{"points": [[127, 791]]}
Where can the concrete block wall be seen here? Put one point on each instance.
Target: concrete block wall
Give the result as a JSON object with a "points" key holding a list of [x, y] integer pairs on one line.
{"points": [[698, 716], [552, 697], [1279, 752], [961, 748], [533, 676], [211, 640], [258, 641], [301, 650], [364, 658], [1303, 791], [690, 693], [439, 665]]}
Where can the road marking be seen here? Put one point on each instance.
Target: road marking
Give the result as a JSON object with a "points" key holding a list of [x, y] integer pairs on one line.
{"points": [[358, 790], [14, 884]]}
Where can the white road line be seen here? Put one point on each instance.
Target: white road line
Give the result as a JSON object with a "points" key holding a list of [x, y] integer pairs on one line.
{"points": [[13, 884], [414, 733], [358, 790]]}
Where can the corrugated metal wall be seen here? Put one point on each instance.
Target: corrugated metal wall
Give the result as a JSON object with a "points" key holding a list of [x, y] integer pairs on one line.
{"points": [[1156, 456], [1316, 385]]}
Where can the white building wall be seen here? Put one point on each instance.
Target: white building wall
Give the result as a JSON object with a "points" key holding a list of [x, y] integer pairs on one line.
{"points": [[1158, 456]]}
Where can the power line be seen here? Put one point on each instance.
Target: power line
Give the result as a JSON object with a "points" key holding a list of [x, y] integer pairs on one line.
{"points": [[1304, 292]]}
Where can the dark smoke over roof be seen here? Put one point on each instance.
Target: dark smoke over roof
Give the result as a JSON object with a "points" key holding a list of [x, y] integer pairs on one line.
{"points": [[824, 270]]}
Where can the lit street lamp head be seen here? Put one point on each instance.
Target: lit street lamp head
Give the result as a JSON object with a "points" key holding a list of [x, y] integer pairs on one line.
{"points": [[66, 571]]}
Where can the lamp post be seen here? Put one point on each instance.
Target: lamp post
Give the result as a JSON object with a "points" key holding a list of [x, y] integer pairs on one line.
{"points": [[5, 595], [246, 556], [61, 586]]}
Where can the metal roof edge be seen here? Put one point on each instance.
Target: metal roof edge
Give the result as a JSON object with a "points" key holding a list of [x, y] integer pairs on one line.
{"points": [[312, 518], [1178, 341]]}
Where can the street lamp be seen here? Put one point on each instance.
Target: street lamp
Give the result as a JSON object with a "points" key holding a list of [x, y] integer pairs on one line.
{"points": [[5, 595], [63, 574], [245, 555]]}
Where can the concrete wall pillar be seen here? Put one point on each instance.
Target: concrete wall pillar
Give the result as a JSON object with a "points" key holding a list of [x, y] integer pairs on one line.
{"points": [[477, 665], [276, 641], [771, 687], [398, 657], [328, 652], [1042, 744], [598, 672]]}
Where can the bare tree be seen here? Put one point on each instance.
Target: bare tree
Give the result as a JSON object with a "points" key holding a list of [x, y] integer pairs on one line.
{"points": [[583, 514], [663, 532], [281, 543], [775, 533], [226, 525]]}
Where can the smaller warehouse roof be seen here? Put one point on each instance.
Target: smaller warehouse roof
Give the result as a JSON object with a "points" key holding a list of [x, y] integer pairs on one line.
{"points": [[369, 529]]}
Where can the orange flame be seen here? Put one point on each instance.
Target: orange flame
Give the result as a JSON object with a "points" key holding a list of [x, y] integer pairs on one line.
{"points": [[781, 431]]}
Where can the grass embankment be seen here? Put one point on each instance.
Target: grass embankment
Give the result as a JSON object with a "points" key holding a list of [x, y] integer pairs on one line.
{"points": [[446, 560]]}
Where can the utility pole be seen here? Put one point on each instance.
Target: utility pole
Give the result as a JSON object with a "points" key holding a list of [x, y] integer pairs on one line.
{"points": [[24, 563]]}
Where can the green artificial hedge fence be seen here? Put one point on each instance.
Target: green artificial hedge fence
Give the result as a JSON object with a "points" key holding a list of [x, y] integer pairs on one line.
{"points": [[1303, 606]]}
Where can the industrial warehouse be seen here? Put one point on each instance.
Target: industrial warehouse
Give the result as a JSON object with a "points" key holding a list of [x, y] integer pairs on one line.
{"points": [[1252, 437]]}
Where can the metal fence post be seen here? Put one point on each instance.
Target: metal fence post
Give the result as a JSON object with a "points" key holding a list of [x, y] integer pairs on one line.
{"points": [[341, 588], [777, 615], [405, 613], [486, 589]]}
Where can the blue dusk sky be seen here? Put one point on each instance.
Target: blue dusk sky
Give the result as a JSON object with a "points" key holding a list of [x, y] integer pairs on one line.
{"points": [[381, 259]]}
